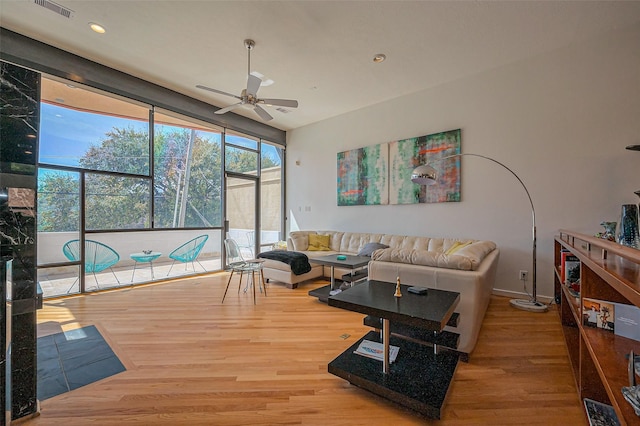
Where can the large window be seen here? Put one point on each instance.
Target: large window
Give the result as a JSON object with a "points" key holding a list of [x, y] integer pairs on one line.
{"points": [[116, 202], [140, 184], [241, 153], [270, 195], [90, 130], [187, 178], [58, 201]]}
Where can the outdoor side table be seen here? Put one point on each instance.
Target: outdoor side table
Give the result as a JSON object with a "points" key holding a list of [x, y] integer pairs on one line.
{"points": [[143, 258]]}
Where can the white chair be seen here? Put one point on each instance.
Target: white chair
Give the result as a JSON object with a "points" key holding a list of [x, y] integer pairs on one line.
{"points": [[237, 264], [249, 246]]}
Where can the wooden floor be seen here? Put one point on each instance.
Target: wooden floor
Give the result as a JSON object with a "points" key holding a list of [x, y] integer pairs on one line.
{"points": [[193, 361]]}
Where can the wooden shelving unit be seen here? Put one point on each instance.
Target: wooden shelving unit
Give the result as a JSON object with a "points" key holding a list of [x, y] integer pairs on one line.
{"points": [[610, 272]]}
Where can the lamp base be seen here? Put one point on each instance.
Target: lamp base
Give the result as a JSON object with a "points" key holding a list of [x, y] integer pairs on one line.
{"points": [[528, 305]]}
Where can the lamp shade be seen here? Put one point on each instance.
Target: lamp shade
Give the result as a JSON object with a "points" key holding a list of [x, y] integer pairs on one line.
{"points": [[424, 175]]}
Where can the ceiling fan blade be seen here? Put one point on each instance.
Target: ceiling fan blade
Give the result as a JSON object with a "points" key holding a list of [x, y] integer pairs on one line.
{"points": [[253, 84], [280, 102], [229, 108], [217, 91], [262, 113]]}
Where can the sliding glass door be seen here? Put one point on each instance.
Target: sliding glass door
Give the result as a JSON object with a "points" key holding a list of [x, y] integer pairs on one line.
{"points": [[241, 201]]}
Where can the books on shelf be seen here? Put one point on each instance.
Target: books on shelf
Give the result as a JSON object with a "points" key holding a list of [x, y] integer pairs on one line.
{"points": [[569, 268], [600, 414], [627, 321], [375, 350], [598, 314]]}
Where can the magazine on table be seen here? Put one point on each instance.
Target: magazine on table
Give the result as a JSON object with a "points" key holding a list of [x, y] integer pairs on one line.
{"points": [[375, 350]]}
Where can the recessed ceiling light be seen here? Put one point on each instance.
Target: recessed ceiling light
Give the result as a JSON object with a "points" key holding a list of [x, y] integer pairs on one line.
{"points": [[380, 57], [97, 28]]}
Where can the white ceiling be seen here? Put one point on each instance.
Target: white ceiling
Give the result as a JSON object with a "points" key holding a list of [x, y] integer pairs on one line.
{"points": [[318, 52]]}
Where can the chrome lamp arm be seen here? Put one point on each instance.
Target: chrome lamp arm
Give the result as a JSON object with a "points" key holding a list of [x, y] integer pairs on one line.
{"points": [[427, 175]]}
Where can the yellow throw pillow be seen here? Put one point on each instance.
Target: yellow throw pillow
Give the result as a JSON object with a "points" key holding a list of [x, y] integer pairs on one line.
{"points": [[319, 242], [457, 246]]}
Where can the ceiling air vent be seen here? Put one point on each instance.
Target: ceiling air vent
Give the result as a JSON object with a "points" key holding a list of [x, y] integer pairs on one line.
{"points": [[60, 10], [282, 110]]}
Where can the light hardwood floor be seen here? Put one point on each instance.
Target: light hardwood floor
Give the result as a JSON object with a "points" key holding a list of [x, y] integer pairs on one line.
{"points": [[192, 360]]}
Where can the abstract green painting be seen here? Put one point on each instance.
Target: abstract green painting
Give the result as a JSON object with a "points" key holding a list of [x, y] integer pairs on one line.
{"points": [[363, 176], [407, 154]]}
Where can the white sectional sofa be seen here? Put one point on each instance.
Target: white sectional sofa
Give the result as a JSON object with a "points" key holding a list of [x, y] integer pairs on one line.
{"points": [[465, 266]]}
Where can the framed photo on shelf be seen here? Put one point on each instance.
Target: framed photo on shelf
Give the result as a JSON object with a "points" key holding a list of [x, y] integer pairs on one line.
{"points": [[598, 314]]}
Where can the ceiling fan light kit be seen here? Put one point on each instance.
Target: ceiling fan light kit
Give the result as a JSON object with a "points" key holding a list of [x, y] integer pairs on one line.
{"points": [[249, 96]]}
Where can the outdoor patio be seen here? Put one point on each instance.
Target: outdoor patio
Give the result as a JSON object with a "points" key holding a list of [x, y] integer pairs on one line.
{"points": [[63, 280], [59, 282]]}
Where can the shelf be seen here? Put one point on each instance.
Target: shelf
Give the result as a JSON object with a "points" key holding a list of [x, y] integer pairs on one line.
{"points": [[418, 379], [616, 264], [444, 338], [609, 272], [357, 276], [608, 352], [573, 303]]}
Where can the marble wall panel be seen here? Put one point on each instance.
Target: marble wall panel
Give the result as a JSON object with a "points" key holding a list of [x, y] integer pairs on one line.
{"points": [[19, 122]]}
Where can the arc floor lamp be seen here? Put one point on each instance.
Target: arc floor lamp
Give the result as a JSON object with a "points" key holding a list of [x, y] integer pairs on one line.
{"points": [[427, 175]]}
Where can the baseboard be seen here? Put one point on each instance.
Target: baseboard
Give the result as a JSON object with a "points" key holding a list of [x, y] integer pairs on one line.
{"points": [[520, 295]]}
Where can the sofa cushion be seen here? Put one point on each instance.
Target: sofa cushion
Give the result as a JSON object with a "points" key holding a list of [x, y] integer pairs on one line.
{"points": [[477, 251], [299, 240], [369, 248], [457, 246], [319, 242], [423, 257], [466, 258]]}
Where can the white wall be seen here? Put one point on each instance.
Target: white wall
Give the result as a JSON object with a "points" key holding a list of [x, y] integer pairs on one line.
{"points": [[561, 121]]}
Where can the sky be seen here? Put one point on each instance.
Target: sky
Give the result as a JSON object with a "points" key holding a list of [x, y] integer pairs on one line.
{"points": [[66, 134]]}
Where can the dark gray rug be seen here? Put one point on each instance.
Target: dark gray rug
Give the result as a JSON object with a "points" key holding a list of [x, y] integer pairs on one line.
{"points": [[75, 358]]}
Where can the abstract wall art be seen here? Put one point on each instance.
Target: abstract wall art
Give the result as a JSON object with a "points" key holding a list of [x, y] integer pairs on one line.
{"points": [[363, 176], [407, 154], [381, 174]]}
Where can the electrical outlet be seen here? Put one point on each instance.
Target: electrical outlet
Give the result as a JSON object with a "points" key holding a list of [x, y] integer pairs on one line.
{"points": [[524, 275]]}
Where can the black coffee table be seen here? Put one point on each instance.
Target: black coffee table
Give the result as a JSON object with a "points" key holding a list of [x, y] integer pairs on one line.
{"points": [[420, 376], [350, 261]]}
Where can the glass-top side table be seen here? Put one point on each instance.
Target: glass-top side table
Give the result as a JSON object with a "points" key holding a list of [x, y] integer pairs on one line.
{"points": [[142, 257]]}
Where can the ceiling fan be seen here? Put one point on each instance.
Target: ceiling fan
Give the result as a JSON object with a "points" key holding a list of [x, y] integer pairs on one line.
{"points": [[249, 95]]}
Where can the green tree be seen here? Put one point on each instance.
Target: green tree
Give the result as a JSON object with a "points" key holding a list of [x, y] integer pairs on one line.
{"points": [[123, 150], [176, 174], [58, 202], [187, 169]]}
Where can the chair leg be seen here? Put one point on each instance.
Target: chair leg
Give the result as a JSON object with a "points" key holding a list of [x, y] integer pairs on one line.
{"points": [[96, 278], [264, 286], [240, 282], [228, 282], [74, 283], [253, 284], [171, 267], [114, 275], [203, 268]]}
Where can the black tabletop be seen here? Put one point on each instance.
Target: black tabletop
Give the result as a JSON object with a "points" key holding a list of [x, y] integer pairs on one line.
{"points": [[431, 310], [351, 261]]}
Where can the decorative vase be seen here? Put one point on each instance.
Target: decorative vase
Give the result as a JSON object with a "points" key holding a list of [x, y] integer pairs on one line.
{"points": [[609, 231], [629, 226]]}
